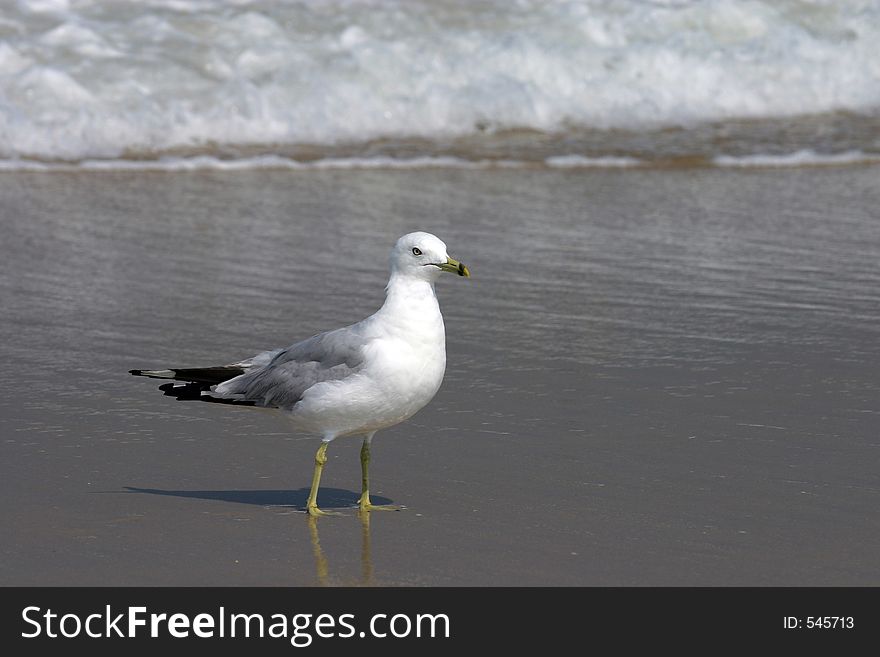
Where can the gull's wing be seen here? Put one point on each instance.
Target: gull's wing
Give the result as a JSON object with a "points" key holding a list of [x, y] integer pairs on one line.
{"points": [[280, 378]]}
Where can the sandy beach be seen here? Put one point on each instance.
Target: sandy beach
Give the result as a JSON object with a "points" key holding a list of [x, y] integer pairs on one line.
{"points": [[655, 377]]}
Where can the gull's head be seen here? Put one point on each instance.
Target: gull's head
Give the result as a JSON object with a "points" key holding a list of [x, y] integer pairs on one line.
{"points": [[423, 256]]}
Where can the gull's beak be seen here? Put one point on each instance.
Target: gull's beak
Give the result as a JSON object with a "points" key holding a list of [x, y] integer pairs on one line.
{"points": [[454, 266]]}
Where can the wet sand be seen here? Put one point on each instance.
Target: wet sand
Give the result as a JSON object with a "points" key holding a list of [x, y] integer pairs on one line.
{"points": [[663, 377]]}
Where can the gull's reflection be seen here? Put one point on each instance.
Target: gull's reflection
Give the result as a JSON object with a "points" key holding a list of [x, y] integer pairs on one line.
{"points": [[321, 565], [366, 558], [320, 559]]}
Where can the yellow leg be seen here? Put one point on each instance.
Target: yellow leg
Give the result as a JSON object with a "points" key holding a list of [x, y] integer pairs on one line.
{"points": [[364, 502], [320, 460], [365, 475]]}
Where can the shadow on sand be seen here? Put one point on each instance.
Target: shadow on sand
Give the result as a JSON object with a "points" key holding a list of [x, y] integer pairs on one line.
{"points": [[335, 498], [328, 498]]}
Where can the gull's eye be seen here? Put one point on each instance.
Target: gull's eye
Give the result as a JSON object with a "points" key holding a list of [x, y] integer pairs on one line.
{"points": [[417, 251]]}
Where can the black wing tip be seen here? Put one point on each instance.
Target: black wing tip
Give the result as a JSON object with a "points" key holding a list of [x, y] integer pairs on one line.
{"points": [[205, 375], [193, 392], [150, 374], [188, 390]]}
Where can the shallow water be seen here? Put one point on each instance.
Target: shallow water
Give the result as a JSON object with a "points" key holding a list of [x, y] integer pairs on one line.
{"points": [[654, 377]]}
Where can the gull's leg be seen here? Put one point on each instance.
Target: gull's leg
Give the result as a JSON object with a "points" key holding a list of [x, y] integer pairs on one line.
{"points": [[320, 460], [364, 502]]}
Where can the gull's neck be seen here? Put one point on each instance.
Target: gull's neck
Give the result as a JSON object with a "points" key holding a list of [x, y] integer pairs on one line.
{"points": [[411, 305]]}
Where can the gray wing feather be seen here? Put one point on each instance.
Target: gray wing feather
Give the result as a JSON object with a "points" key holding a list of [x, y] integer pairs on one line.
{"points": [[279, 378]]}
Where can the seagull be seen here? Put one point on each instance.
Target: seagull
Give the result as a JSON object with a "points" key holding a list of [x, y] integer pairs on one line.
{"points": [[355, 380]]}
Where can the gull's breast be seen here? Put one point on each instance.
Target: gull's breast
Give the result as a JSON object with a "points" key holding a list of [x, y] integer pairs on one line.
{"points": [[397, 380], [407, 374]]}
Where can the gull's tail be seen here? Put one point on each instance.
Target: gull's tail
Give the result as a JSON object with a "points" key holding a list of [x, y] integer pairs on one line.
{"points": [[196, 382]]}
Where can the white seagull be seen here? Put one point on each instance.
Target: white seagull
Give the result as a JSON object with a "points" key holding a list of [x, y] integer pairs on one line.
{"points": [[355, 380]]}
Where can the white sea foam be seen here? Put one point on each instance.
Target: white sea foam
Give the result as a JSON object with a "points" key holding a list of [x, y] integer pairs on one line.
{"points": [[212, 163], [581, 161], [800, 158], [82, 79]]}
